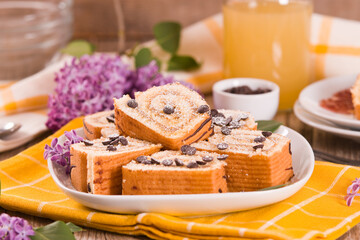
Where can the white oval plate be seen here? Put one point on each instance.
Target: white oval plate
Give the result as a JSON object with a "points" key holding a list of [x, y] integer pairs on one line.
{"points": [[195, 204], [323, 125], [311, 96]]}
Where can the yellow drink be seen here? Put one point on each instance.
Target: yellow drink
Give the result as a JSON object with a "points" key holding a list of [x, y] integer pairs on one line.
{"points": [[268, 40]]}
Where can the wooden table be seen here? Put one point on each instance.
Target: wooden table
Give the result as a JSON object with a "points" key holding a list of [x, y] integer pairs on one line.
{"points": [[319, 140]]}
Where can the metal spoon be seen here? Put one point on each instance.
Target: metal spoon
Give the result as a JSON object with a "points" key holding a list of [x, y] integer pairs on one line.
{"points": [[9, 128]]}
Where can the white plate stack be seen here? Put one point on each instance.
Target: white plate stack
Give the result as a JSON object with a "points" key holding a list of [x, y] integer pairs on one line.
{"points": [[309, 111]]}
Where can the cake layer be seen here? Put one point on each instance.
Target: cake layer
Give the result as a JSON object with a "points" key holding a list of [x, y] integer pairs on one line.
{"points": [[172, 115], [97, 164], [95, 122], [173, 172], [355, 93], [255, 159]]}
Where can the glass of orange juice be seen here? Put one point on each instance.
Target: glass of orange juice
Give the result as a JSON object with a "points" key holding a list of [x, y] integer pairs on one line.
{"points": [[269, 39]]}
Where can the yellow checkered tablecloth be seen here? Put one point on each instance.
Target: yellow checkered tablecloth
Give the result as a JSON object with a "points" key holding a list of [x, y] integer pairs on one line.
{"points": [[318, 210]]}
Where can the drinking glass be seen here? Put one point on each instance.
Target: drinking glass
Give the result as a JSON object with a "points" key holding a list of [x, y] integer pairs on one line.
{"points": [[269, 39]]}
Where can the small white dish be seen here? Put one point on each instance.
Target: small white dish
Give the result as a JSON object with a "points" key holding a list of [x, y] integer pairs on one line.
{"points": [[193, 204], [262, 106], [311, 96], [323, 125]]}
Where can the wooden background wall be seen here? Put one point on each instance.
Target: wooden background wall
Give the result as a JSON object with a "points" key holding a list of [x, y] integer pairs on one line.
{"points": [[95, 20]]}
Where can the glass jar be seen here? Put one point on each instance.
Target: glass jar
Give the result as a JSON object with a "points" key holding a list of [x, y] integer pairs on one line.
{"points": [[31, 33], [269, 39]]}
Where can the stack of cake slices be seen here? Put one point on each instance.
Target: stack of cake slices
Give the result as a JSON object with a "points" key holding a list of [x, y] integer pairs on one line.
{"points": [[167, 140]]}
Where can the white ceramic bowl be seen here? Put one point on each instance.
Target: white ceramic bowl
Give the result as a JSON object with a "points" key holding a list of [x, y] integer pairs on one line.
{"points": [[262, 106]]}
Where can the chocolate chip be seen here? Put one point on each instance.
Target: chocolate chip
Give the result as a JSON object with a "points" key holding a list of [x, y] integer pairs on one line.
{"points": [[147, 162], [154, 161], [115, 142], [168, 109], [134, 188], [259, 146], [234, 124], [88, 142], [259, 139], [203, 109], [222, 157], [228, 120], [114, 136], [88, 188], [225, 130], [290, 168], [192, 165], [213, 112], [225, 177], [220, 191], [242, 116], [207, 158], [218, 121], [188, 150], [111, 148], [110, 119], [107, 142], [266, 134], [220, 115], [222, 146], [123, 140], [140, 159], [290, 149], [132, 103], [178, 162], [167, 162], [200, 162]]}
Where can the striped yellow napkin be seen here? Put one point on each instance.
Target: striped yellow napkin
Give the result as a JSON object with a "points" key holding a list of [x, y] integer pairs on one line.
{"points": [[317, 210]]}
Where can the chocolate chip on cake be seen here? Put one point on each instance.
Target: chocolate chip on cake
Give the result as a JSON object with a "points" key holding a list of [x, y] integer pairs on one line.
{"points": [[259, 146], [207, 158], [115, 142], [225, 130], [114, 136], [147, 162], [259, 139], [88, 188], [242, 116], [178, 162], [227, 120], [140, 159], [107, 142], [88, 142], [213, 112], [192, 165], [225, 177], [123, 140], [203, 109], [188, 150], [168, 109], [222, 146], [154, 161], [222, 157], [167, 162], [110, 119], [132, 103], [111, 148], [220, 191], [200, 162], [266, 133], [220, 115], [218, 121]]}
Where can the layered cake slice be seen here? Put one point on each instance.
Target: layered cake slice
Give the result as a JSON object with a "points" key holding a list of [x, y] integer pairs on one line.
{"points": [[174, 172], [95, 122], [172, 115], [96, 165], [255, 159], [355, 93]]}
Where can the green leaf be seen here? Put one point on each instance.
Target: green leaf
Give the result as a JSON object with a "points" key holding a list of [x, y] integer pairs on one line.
{"points": [[143, 57], [158, 63], [182, 63], [268, 125], [167, 35], [73, 228], [55, 231], [78, 48]]}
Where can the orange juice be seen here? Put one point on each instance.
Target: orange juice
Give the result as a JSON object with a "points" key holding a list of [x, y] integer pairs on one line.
{"points": [[269, 39]]}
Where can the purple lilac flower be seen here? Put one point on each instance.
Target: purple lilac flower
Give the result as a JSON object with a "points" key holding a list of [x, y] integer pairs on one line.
{"points": [[14, 228], [89, 84], [61, 153], [352, 191]]}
